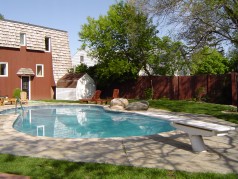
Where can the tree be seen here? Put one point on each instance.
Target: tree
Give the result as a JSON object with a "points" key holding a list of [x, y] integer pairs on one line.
{"points": [[82, 68], [169, 58], [233, 56], [1, 17], [209, 61], [122, 41], [201, 22]]}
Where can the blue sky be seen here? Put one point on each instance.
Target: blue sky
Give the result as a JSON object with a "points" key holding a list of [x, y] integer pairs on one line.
{"points": [[68, 15]]}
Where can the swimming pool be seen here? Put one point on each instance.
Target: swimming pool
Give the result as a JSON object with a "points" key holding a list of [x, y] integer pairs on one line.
{"points": [[85, 121]]}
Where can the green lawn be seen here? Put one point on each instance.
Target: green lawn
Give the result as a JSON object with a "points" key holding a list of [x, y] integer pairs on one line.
{"points": [[193, 107], [47, 168]]}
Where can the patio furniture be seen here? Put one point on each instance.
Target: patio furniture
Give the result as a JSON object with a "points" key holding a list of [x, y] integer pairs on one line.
{"points": [[2, 101], [199, 129], [95, 98], [23, 97], [115, 94], [6, 100], [11, 100]]}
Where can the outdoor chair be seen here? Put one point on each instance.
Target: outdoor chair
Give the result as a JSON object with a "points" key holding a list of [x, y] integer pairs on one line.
{"points": [[95, 98], [115, 94], [23, 97], [2, 101], [6, 100]]}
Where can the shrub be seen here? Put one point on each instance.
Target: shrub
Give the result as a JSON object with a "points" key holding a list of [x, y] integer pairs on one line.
{"points": [[148, 93], [199, 93], [16, 93]]}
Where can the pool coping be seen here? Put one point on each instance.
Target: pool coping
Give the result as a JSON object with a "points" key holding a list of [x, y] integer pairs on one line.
{"points": [[169, 150]]}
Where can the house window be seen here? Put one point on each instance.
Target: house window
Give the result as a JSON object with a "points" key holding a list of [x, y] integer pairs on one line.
{"points": [[81, 59], [47, 44], [22, 39], [39, 70], [3, 69]]}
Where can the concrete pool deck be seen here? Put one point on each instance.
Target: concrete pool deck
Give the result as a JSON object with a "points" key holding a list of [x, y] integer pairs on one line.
{"points": [[170, 150]]}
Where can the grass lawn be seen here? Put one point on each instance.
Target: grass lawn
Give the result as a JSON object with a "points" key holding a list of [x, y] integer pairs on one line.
{"points": [[193, 107], [47, 168]]}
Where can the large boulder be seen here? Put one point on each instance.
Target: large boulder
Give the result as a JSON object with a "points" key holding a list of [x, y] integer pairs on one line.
{"points": [[119, 103], [138, 106]]}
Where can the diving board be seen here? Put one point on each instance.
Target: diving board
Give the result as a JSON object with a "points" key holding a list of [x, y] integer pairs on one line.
{"points": [[199, 129]]}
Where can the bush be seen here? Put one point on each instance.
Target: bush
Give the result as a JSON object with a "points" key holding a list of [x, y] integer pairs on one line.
{"points": [[16, 93], [148, 93], [199, 93]]}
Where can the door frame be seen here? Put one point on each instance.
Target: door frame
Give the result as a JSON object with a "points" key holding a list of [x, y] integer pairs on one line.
{"points": [[29, 85]]}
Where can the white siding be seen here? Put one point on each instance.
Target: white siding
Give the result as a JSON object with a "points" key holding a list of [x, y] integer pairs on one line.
{"points": [[66, 94], [89, 61], [35, 40]]}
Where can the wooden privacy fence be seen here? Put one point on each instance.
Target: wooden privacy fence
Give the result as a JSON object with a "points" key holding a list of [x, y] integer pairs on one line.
{"points": [[220, 89]]}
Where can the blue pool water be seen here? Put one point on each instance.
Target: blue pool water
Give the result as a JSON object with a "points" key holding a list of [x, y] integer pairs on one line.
{"points": [[86, 122]]}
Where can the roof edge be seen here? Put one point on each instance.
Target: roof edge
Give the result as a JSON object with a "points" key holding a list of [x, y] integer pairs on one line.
{"points": [[7, 20]]}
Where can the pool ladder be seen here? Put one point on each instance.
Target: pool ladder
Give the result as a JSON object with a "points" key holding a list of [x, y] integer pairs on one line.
{"points": [[18, 101]]}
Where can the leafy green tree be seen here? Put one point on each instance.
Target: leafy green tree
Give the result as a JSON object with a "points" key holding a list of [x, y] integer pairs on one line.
{"points": [[82, 68], [122, 41], [1, 17], [233, 56], [169, 58], [209, 61]]}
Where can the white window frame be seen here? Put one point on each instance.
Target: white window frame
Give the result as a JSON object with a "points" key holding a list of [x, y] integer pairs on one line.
{"points": [[6, 63], [24, 39], [81, 59], [42, 67], [40, 127], [49, 44]]}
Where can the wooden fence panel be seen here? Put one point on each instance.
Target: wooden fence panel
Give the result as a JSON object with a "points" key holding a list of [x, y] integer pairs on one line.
{"points": [[161, 87], [219, 89], [213, 88]]}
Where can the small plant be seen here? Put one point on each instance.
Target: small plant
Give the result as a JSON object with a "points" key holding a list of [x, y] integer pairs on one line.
{"points": [[16, 93], [199, 93], [148, 93]]}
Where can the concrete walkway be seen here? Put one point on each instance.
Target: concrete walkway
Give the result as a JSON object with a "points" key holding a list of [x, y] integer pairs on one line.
{"points": [[171, 150]]}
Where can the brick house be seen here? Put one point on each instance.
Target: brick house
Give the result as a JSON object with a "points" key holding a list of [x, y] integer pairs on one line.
{"points": [[32, 58]]}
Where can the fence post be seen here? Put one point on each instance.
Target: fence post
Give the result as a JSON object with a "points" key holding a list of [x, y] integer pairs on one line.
{"points": [[178, 87], [234, 86], [236, 92]]}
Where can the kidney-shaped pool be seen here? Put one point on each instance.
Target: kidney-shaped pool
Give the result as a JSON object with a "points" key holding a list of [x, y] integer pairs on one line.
{"points": [[85, 121]]}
